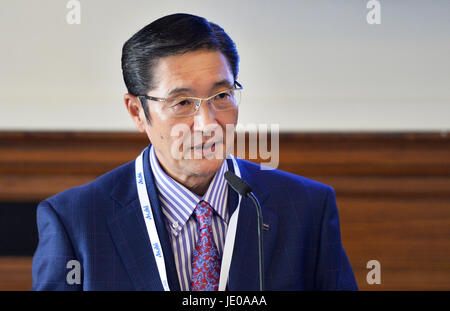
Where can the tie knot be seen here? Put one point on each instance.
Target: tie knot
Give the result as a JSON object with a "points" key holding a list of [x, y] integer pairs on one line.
{"points": [[203, 212]]}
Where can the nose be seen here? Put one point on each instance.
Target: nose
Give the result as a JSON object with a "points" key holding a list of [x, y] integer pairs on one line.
{"points": [[204, 116]]}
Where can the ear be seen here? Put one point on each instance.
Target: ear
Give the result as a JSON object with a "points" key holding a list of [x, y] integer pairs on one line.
{"points": [[134, 107]]}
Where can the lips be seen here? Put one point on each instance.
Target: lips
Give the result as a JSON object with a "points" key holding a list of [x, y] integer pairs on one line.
{"points": [[207, 145]]}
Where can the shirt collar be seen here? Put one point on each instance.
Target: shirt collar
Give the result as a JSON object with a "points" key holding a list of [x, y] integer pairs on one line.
{"points": [[178, 202]]}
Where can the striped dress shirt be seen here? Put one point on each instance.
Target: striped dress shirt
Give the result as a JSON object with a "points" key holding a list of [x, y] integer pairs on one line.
{"points": [[178, 204]]}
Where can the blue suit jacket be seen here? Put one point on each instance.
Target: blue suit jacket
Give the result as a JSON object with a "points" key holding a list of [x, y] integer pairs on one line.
{"points": [[101, 225]]}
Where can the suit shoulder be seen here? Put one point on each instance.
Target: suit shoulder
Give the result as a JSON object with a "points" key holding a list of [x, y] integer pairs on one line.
{"points": [[275, 177], [98, 187]]}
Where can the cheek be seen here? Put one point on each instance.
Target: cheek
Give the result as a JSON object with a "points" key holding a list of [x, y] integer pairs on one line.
{"points": [[228, 118], [159, 129], [229, 124], [156, 133], [169, 134], [228, 131]]}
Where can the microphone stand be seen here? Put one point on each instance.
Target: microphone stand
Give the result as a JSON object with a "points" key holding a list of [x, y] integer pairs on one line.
{"points": [[260, 239], [245, 190]]}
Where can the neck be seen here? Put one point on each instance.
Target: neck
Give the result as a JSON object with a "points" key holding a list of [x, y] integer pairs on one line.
{"points": [[198, 187]]}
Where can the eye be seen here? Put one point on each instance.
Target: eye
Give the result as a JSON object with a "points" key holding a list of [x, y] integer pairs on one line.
{"points": [[182, 103], [223, 95]]}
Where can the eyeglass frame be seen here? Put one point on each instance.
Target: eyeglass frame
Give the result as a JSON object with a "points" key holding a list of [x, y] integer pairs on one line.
{"points": [[197, 107]]}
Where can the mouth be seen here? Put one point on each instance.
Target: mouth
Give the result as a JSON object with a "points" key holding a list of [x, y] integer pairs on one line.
{"points": [[206, 147]]}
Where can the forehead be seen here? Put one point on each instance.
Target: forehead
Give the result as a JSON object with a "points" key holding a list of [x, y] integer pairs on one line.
{"points": [[197, 71]]}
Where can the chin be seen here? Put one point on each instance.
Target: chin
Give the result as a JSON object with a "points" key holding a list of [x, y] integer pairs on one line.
{"points": [[204, 167]]}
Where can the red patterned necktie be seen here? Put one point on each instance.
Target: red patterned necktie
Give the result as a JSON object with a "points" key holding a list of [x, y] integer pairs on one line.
{"points": [[206, 259]]}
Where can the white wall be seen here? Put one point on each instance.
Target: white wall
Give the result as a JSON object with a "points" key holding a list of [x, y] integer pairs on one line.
{"points": [[307, 65]]}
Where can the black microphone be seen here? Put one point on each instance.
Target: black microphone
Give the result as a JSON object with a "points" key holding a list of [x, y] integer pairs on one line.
{"points": [[245, 190]]}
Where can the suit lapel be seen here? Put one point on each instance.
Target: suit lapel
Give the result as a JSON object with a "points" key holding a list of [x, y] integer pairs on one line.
{"points": [[129, 233], [244, 271]]}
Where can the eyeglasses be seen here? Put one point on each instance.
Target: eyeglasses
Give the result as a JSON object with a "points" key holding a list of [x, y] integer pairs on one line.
{"points": [[187, 106]]}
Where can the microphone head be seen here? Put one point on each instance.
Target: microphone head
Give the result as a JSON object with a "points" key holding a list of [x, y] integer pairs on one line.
{"points": [[237, 183]]}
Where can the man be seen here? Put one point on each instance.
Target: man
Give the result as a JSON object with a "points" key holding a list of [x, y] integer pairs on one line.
{"points": [[164, 221]]}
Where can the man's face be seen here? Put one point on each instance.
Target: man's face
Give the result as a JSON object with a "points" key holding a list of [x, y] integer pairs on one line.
{"points": [[198, 72]]}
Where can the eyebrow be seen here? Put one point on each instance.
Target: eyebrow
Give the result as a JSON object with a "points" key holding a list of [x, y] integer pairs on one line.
{"points": [[179, 90]]}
